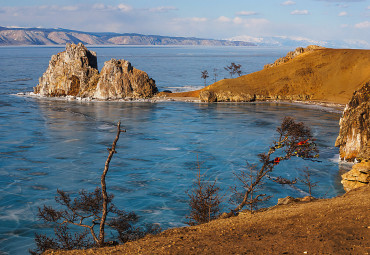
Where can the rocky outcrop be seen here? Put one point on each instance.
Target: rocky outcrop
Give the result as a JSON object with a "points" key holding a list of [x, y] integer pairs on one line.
{"points": [[354, 139], [119, 79], [293, 54], [357, 177], [74, 72], [207, 96], [354, 135]]}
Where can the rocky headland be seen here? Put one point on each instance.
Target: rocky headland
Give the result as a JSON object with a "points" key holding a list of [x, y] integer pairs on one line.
{"points": [[74, 72], [312, 74], [354, 138]]}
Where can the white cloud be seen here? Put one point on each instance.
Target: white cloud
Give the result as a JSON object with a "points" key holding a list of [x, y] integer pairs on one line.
{"points": [[99, 6], [288, 3], [103, 7], [198, 19], [368, 7], [246, 38], [342, 14], [238, 20], [365, 24], [68, 8], [256, 22], [300, 12], [163, 9], [223, 19], [124, 8], [192, 19], [246, 13]]}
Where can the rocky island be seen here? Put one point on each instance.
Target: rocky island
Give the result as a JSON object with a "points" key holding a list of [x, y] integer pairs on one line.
{"points": [[74, 72]]}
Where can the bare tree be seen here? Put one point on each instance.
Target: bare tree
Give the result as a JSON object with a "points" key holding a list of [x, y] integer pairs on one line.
{"points": [[294, 139], [233, 69], [246, 178], [306, 179], [205, 76], [215, 74], [87, 210], [204, 200]]}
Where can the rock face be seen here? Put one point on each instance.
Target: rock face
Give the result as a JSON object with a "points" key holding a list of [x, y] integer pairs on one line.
{"points": [[357, 177], [118, 78], [354, 138], [354, 134], [293, 54], [74, 72]]}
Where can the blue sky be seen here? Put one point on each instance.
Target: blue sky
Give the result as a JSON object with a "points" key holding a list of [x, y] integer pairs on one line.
{"points": [[219, 19]]}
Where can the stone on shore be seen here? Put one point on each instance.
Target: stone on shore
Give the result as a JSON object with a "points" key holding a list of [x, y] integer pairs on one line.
{"points": [[357, 177]]}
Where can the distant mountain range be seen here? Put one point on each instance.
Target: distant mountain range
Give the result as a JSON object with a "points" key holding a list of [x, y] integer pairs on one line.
{"points": [[58, 36], [41, 36]]}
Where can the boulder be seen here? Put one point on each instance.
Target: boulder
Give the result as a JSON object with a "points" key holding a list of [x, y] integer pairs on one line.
{"points": [[354, 135], [287, 200], [74, 72], [357, 177]]}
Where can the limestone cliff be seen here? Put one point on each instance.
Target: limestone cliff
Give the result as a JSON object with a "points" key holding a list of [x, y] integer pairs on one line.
{"points": [[74, 72], [354, 134]]}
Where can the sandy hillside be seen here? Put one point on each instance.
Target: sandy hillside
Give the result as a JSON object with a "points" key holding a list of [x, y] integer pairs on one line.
{"points": [[330, 226], [325, 75]]}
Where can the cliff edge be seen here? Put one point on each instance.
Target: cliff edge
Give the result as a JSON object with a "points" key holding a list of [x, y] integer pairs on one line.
{"points": [[354, 138], [74, 72]]}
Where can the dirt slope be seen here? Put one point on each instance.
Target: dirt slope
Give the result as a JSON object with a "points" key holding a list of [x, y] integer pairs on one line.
{"points": [[332, 226], [325, 75]]}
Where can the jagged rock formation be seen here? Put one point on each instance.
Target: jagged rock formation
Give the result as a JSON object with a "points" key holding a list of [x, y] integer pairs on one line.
{"points": [[293, 54], [119, 78], [357, 177], [74, 72], [354, 138], [354, 134]]}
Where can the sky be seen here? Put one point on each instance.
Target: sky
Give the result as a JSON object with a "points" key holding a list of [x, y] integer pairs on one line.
{"points": [[217, 19]]}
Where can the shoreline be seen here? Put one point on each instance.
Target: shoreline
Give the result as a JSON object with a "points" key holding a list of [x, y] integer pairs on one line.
{"points": [[326, 106]]}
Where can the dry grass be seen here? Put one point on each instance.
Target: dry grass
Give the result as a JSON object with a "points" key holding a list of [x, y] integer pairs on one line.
{"points": [[328, 75], [330, 226]]}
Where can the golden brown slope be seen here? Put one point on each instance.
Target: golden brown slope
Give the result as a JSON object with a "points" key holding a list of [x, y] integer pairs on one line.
{"points": [[332, 226], [325, 75]]}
